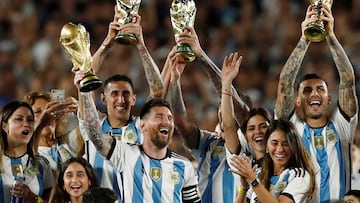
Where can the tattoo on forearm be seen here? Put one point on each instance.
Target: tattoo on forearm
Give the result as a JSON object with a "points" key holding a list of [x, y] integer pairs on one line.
{"points": [[153, 75], [177, 99], [91, 121], [347, 96]]}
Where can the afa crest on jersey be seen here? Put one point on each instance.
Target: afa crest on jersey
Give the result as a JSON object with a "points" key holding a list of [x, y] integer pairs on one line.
{"points": [[156, 173]]}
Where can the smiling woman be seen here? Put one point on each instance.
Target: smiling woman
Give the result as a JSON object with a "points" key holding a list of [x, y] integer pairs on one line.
{"points": [[75, 177]]}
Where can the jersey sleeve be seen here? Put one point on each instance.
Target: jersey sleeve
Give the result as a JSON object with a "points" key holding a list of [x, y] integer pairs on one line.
{"points": [[190, 191], [298, 185]]}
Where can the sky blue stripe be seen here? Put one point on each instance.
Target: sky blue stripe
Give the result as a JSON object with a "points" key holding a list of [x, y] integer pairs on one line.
{"points": [[228, 184], [180, 168], [157, 183], [138, 182], [322, 159], [1, 190], [40, 179], [98, 166], [116, 186]]}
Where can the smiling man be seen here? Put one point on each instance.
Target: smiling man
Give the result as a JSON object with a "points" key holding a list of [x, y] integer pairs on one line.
{"points": [[151, 172], [327, 135]]}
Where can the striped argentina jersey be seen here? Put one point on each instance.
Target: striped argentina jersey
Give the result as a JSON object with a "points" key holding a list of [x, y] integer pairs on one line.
{"points": [[293, 183], [37, 177], [171, 179], [216, 183], [330, 151], [106, 175]]}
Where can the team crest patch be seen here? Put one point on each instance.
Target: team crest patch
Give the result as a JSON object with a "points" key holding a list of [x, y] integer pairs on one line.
{"points": [[174, 176], [130, 136], [218, 150], [319, 142], [155, 173], [331, 136], [118, 137], [16, 168]]}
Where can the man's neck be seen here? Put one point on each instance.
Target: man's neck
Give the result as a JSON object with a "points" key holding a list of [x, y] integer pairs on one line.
{"points": [[117, 123], [154, 152], [316, 123]]}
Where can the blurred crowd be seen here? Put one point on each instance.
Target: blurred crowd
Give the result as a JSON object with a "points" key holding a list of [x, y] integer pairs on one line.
{"points": [[263, 32]]}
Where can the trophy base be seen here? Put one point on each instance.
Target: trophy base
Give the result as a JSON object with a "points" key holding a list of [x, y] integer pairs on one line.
{"points": [[315, 32], [127, 39], [186, 53], [90, 83]]}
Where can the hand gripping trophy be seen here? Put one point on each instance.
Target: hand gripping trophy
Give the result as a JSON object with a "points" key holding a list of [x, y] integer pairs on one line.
{"points": [[182, 13], [125, 9], [315, 31], [76, 42]]}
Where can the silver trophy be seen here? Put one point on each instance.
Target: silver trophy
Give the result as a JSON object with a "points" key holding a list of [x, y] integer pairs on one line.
{"points": [[125, 9], [182, 13]]}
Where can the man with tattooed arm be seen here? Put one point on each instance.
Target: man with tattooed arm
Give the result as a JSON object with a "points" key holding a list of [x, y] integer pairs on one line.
{"points": [[327, 136]]}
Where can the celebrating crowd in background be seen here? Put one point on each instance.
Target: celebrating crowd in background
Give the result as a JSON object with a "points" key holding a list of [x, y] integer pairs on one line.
{"points": [[260, 111]]}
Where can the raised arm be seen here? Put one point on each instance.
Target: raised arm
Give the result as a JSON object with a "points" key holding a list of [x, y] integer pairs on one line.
{"points": [[347, 93], [241, 102], [285, 102], [230, 69], [102, 51], [89, 118], [188, 130], [152, 71]]}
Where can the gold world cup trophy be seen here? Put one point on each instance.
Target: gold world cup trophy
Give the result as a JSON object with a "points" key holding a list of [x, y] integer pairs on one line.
{"points": [[315, 31], [76, 41], [182, 13], [125, 9]]}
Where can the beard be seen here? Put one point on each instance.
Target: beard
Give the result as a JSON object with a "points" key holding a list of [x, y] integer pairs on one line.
{"points": [[159, 141]]}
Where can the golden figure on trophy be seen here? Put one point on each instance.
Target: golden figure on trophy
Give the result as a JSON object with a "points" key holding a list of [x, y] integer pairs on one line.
{"points": [[182, 13], [76, 42], [316, 32], [125, 9]]}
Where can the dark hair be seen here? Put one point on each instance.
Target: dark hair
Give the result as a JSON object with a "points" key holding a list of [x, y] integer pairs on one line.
{"points": [[6, 113], [355, 193], [99, 195], [153, 103], [58, 193], [118, 77], [253, 112], [300, 158], [308, 77], [33, 96]]}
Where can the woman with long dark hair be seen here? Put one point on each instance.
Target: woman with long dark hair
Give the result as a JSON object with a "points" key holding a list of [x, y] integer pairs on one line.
{"points": [[287, 173], [75, 177]]}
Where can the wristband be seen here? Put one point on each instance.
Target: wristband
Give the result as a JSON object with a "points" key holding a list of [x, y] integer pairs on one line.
{"points": [[242, 191], [226, 93]]}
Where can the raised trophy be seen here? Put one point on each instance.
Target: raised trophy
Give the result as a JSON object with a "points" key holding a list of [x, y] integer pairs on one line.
{"points": [[76, 41], [125, 9], [315, 31], [182, 13]]}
